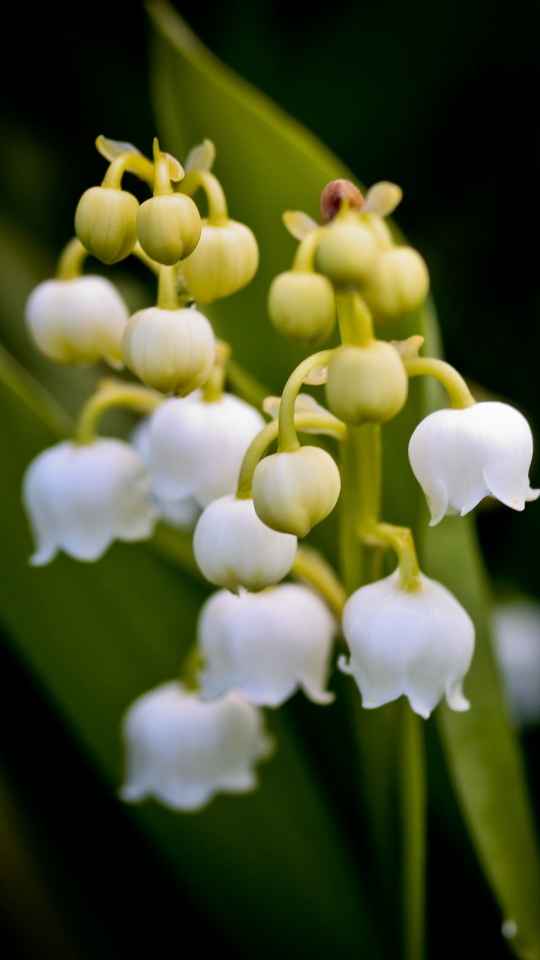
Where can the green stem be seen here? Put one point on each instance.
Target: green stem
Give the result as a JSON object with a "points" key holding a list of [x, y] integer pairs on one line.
{"points": [[452, 381], [136, 163], [288, 441], [71, 260], [401, 540], [354, 318], [304, 258], [269, 433], [167, 292], [412, 793], [162, 179], [217, 205], [360, 504], [144, 258], [112, 393], [212, 391], [311, 567], [190, 669]]}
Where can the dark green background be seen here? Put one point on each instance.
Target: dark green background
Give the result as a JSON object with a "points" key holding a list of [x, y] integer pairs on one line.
{"points": [[441, 98]]}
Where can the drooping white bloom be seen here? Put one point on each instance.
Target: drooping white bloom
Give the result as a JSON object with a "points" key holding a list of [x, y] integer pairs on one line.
{"points": [[78, 321], [182, 512], [196, 448], [235, 549], [419, 644], [267, 644], [517, 646], [81, 497], [182, 751], [461, 456]]}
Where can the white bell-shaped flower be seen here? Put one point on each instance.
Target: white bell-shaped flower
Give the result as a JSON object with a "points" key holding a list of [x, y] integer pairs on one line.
{"points": [[235, 549], [78, 321], [180, 512], [196, 448], [182, 751], [417, 643], [81, 497], [267, 644], [461, 456], [516, 630]]}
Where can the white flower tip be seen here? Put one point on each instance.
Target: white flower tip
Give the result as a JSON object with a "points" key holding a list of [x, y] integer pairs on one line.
{"points": [[344, 664], [321, 697], [41, 559], [531, 495], [456, 700], [130, 794]]}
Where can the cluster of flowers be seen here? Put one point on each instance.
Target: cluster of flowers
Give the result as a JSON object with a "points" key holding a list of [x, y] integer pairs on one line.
{"points": [[197, 460]]}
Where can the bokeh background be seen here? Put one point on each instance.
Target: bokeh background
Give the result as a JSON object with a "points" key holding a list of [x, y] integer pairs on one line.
{"points": [[441, 98]]}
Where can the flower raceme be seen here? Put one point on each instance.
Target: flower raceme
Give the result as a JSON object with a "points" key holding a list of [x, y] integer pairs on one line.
{"points": [[266, 644], [418, 643], [182, 751], [461, 456], [80, 498]]}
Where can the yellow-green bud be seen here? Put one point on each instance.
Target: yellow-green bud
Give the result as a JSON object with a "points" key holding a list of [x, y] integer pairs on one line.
{"points": [[225, 260], [292, 491], [302, 306], [366, 384], [398, 284], [169, 227], [172, 351], [106, 223], [347, 251]]}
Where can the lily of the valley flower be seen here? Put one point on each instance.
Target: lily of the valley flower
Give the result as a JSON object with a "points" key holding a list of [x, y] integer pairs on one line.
{"points": [[182, 751], [235, 549], [196, 448], [267, 644], [81, 497], [417, 643], [461, 456], [78, 321]]}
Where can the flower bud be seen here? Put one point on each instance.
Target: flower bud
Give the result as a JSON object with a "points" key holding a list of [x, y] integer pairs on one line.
{"points": [[225, 260], [78, 321], [398, 284], [182, 751], [106, 223], [302, 306], [80, 498], [168, 227], [416, 643], [347, 251], [235, 549], [267, 645], [172, 351], [293, 491], [461, 456], [366, 384]]}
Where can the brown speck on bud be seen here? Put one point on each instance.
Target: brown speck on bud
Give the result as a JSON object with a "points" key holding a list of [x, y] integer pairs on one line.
{"points": [[333, 196]]}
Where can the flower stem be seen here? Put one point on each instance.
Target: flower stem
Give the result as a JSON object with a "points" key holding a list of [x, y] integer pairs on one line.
{"points": [[112, 393], [288, 441], [307, 421], [354, 318], [70, 261], [412, 793], [217, 205], [167, 292], [452, 381], [311, 567], [135, 163], [212, 391], [190, 668], [305, 254]]}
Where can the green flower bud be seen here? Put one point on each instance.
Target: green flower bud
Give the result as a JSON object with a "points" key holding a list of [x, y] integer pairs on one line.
{"points": [[172, 351], [366, 384], [106, 223], [225, 260], [292, 491], [302, 306], [169, 227], [398, 284], [347, 251]]}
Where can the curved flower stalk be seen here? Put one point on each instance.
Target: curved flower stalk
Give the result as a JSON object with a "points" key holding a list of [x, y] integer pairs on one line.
{"points": [[81, 497], [461, 456], [418, 643], [267, 645], [181, 751]]}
